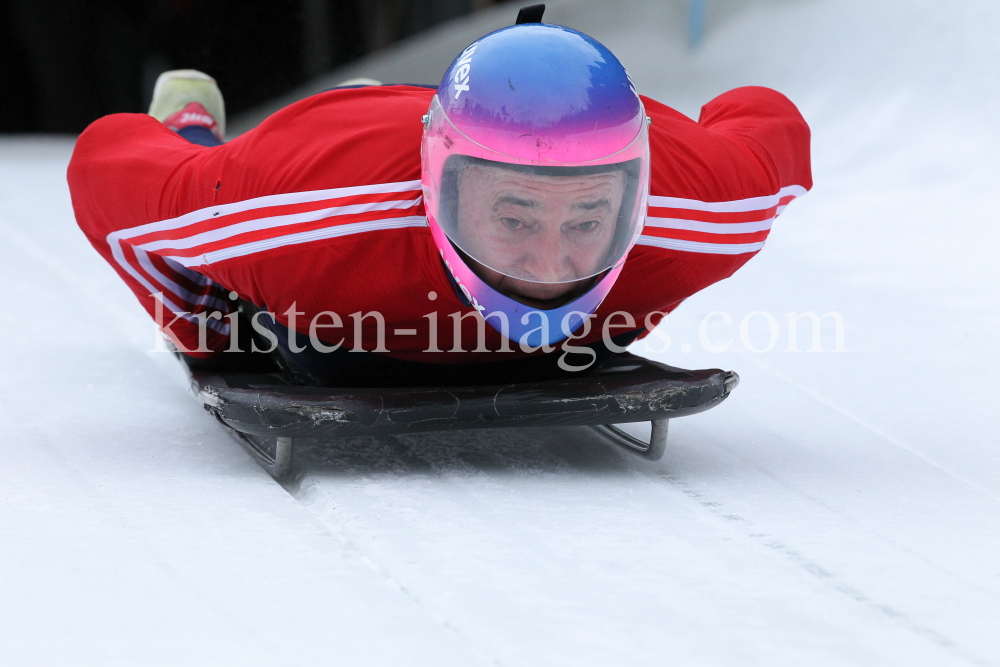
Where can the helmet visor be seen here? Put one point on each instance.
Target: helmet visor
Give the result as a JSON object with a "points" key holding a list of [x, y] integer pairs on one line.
{"points": [[535, 221]]}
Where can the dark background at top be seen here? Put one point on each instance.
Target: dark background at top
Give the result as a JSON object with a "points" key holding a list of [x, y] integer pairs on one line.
{"points": [[65, 63]]}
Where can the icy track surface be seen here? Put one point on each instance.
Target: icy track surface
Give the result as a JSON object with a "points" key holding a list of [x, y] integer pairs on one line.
{"points": [[838, 509]]}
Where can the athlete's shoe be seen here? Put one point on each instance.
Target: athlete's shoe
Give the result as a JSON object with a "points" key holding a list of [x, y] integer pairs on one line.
{"points": [[186, 97]]}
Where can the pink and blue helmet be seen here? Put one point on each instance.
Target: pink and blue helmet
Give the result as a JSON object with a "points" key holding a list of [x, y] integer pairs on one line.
{"points": [[535, 175]]}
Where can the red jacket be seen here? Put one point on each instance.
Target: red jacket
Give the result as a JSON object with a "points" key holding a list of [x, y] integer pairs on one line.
{"points": [[320, 207]]}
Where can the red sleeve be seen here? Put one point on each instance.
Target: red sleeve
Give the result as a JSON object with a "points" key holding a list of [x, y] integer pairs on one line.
{"points": [[763, 131], [127, 171], [172, 217], [716, 187]]}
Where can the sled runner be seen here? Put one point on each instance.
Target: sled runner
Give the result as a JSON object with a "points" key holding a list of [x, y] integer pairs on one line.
{"points": [[268, 409]]}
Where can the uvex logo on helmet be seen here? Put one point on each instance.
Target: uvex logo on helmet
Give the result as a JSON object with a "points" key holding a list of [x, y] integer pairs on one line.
{"points": [[460, 77]]}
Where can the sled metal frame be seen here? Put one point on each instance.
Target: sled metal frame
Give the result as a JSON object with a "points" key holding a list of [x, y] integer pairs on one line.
{"points": [[278, 465], [657, 445], [652, 450]]}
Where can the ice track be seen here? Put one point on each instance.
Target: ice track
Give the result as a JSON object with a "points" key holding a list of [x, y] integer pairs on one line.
{"points": [[838, 509]]}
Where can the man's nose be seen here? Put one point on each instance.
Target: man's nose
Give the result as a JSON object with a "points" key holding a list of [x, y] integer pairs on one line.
{"points": [[546, 259]]}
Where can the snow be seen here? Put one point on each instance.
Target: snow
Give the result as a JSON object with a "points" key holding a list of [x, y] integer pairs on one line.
{"points": [[841, 508]]}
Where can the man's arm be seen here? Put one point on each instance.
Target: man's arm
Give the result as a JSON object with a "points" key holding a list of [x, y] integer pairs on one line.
{"points": [[763, 129], [717, 186], [128, 173], [265, 215]]}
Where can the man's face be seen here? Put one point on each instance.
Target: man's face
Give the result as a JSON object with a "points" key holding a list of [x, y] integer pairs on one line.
{"points": [[550, 232]]}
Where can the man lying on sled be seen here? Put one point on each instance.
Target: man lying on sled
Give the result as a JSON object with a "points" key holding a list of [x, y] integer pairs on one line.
{"points": [[532, 204]]}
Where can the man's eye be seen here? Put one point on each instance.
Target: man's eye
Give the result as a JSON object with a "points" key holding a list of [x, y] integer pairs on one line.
{"points": [[588, 226], [512, 223]]}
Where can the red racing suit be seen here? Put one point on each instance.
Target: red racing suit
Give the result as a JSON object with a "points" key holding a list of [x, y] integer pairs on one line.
{"points": [[319, 209]]}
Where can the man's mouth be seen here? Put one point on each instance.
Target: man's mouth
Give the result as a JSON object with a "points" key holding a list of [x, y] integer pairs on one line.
{"points": [[540, 304], [575, 290], [512, 288]]}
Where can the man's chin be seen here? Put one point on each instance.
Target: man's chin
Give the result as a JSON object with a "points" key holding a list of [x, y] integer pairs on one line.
{"points": [[543, 296], [539, 304]]}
